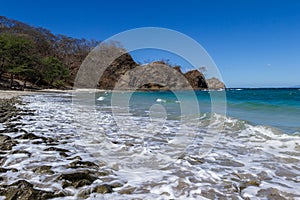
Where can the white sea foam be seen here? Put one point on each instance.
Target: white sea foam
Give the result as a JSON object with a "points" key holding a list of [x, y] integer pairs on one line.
{"points": [[245, 160], [161, 100], [101, 98]]}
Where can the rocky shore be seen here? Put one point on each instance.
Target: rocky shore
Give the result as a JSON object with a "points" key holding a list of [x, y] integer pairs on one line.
{"points": [[17, 146], [41, 159]]}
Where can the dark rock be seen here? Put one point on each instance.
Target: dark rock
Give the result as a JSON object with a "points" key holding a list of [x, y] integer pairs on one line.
{"points": [[212, 194], [45, 169], [194, 160], [3, 170], [246, 180], [274, 194], [77, 179], [63, 154], [103, 189], [230, 163], [75, 158], [116, 184], [127, 190], [37, 142], [264, 176], [81, 183], [103, 173], [82, 164], [4, 138], [57, 149], [6, 143], [2, 159], [30, 136], [196, 79], [8, 112], [9, 130], [118, 68], [12, 126], [25, 191]]}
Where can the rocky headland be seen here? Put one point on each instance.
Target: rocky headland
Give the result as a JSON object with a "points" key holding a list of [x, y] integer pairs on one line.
{"points": [[125, 74], [35, 58]]}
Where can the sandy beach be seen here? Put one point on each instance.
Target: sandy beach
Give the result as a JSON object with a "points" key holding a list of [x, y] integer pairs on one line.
{"points": [[8, 94]]}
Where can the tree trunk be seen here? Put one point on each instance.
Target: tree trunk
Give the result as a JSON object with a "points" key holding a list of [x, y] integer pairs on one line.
{"points": [[36, 82], [11, 80], [2, 68], [24, 85]]}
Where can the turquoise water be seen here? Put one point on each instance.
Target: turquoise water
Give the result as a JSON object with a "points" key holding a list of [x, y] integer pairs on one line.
{"points": [[279, 108], [274, 107], [145, 146]]}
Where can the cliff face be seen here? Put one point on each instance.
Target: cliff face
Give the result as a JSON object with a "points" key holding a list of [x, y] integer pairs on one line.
{"points": [[196, 79], [154, 76], [114, 72]]}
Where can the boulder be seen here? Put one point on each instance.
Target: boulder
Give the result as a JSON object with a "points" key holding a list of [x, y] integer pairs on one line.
{"points": [[77, 179], [25, 191]]}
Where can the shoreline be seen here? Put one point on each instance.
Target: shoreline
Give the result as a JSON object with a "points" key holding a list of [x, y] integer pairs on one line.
{"points": [[9, 94], [50, 164]]}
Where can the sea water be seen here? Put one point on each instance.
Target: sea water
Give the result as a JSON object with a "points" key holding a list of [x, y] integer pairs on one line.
{"points": [[251, 151]]}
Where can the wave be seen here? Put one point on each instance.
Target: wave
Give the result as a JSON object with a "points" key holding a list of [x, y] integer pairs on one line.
{"points": [[246, 162], [264, 106], [229, 123], [258, 105], [167, 101]]}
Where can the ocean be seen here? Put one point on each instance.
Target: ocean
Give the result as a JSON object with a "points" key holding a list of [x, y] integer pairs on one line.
{"points": [[168, 145]]}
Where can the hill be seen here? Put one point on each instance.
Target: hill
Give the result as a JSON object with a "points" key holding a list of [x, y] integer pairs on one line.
{"points": [[33, 57], [36, 55]]}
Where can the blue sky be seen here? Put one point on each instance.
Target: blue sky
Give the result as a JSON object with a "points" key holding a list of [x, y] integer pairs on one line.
{"points": [[254, 43]]}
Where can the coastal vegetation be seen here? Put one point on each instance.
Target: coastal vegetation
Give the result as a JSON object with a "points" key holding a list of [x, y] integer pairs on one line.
{"points": [[36, 58]]}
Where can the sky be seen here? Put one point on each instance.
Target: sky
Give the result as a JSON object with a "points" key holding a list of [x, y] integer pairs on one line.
{"points": [[253, 43]]}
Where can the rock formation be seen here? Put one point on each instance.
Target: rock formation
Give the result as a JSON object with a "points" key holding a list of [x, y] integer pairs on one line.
{"points": [[214, 83], [196, 79], [125, 74], [113, 73], [154, 76]]}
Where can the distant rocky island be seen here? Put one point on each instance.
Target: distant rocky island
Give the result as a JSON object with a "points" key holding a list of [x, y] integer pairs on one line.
{"points": [[35, 58]]}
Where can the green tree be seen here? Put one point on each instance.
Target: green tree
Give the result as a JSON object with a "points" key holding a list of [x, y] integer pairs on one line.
{"points": [[15, 56], [54, 71], [24, 51]]}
